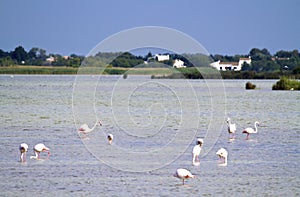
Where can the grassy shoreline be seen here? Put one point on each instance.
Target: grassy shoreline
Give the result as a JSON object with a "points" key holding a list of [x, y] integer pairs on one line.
{"points": [[191, 73], [63, 70]]}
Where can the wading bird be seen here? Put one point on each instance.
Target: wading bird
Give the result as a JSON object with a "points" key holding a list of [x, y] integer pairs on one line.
{"points": [[249, 131], [196, 152], [231, 129], [86, 129], [183, 174], [38, 149], [223, 154], [23, 149]]}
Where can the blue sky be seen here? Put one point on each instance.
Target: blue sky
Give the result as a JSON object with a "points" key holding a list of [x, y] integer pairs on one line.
{"points": [[222, 27]]}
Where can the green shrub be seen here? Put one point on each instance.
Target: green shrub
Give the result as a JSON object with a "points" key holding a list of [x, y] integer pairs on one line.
{"points": [[286, 84]]}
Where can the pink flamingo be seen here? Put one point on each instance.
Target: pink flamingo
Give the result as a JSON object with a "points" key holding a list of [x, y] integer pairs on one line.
{"points": [[183, 174], [38, 149], [249, 131], [231, 129], [196, 152], [23, 149], [86, 129], [223, 154]]}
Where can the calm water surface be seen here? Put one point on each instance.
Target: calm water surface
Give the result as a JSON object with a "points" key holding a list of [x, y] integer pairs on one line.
{"points": [[155, 123]]}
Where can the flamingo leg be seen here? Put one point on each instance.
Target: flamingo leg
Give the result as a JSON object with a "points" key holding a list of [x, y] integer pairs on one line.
{"points": [[247, 138], [21, 157], [48, 155], [83, 136]]}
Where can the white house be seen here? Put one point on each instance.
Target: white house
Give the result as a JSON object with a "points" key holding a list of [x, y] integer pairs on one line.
{"points": [[50, 59], [162, 57], [178, 64], [236, 66]]}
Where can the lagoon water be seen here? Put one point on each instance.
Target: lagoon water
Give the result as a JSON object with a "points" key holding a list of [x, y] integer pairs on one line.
{"points": [[155, 124]]}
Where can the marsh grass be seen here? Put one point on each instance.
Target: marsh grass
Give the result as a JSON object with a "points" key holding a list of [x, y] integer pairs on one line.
{"points": [[286, 83]]}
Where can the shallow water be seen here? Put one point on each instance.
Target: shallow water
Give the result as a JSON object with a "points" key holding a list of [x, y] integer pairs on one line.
{"points": [[155, 123]]}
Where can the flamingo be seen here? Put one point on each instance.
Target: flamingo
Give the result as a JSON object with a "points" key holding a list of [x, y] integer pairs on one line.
{"points": [[183, 174], [231, 129], [110, 138], [196, 152], [223, 154], [38, 149], [86, 129], [23, 149], [251, 130]]}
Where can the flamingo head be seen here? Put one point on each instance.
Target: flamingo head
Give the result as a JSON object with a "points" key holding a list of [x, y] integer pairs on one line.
{"points": [[100, 122], [23, 148], [256, 122], [228, 120], [45, 149], [110, 138], [199, 141], [222, 153]]}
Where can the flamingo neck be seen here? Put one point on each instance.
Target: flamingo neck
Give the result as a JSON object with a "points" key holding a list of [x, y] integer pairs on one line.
{"points": [[228, 123], [22, 157], [255, 125], [94, 126], [36, 155], [194, 158]]}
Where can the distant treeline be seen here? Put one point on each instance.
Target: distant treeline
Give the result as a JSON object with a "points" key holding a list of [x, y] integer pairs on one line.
{"points": [[37, 57], [263, 65]]}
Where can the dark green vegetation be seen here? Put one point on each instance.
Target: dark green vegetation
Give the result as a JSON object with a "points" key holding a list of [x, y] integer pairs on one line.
{"points": [[46, 70], [263, 65], [250, 86], [37, 57], [286, 84]]}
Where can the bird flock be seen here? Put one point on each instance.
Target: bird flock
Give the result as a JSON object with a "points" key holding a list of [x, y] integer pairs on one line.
{"points": [[222, 153], [37, 149], [180, 173]]}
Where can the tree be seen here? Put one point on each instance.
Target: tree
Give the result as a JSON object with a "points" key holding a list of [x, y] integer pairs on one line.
{"points": [[246, 67], [149, 55], [19, 54], [127, 60], [6, 61], [283, 54], [32, 54], [3, 54], [257, 54], [297, 70], [42, 55], [74, 62]]}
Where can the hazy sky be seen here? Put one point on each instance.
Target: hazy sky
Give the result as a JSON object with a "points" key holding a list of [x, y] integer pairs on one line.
{"points": [[221, 26]]}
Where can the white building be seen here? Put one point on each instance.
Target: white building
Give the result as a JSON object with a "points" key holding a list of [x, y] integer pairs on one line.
{"points": [[162, 57], [50, 59], [178, 64], [236, 66]]}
